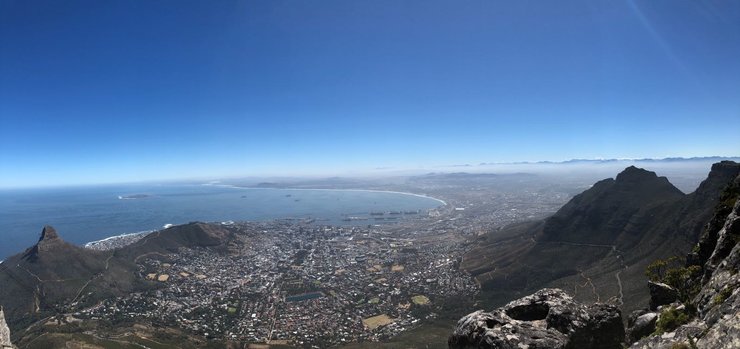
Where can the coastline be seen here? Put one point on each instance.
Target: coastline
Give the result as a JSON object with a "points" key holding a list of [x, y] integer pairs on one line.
{"points": [[113, 239], [444, 203]]}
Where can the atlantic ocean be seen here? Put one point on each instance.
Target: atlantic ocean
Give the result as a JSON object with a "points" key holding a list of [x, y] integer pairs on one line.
{"points": [[84, 214]]}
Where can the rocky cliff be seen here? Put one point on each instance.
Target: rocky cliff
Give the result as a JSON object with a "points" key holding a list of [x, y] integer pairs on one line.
{"points": [[4, 332], [711, 317]]}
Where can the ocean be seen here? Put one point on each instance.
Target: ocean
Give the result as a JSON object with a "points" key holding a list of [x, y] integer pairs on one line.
{"points": [[85, 214]]}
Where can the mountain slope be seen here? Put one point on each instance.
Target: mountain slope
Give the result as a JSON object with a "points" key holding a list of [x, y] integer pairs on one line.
{"points": [[53, 276], [597, 245], [169, 240]]}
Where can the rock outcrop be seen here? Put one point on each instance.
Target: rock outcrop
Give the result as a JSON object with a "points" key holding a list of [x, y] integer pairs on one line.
{"points": [[4, 332], [49, 243], [642, 326], [717, 304], [661, 294], [549, 318]]}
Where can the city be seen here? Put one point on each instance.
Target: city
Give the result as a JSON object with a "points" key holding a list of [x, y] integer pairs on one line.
{"points": [[298, 284]]}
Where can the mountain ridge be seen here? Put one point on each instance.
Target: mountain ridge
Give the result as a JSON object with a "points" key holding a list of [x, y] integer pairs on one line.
{"points": [[598, 243], [615, 160]]}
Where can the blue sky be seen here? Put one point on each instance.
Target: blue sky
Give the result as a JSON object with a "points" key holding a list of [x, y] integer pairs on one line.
{"points": [[109, 91]]}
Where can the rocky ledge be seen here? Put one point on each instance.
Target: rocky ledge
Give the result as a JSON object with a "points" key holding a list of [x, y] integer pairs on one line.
{"points": [[711, 319], [549, 318]]}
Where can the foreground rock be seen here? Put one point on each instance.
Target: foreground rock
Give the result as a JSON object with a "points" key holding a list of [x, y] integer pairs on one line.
{"points": [[4, 332], [549, 318]]}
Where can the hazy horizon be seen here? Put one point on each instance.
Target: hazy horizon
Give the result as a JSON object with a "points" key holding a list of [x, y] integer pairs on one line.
{"points": [[677, 169]]}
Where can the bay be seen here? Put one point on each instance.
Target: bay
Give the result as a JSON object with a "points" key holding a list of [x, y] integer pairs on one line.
{"points": [[84, 214]]}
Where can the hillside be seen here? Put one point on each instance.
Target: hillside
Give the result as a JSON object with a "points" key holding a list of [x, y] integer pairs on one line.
{"points": [[598, 244], [53, 276], [195, 234]]}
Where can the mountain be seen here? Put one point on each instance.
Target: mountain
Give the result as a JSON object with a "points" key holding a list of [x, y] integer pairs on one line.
{"points": [[170, 240], [39, 281], [54, 276], [700, 309], [609, 210], [607, 161], [598, 244]]}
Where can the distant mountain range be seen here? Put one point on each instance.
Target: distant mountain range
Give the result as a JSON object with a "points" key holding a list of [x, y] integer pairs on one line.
{"points": [[606, 161], [598, 244]]}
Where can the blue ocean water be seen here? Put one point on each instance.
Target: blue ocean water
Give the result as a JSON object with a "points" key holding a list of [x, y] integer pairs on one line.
{"points": [[85, 214]]}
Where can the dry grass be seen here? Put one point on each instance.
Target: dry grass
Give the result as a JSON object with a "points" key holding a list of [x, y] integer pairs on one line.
{"points": [[377, 321]]}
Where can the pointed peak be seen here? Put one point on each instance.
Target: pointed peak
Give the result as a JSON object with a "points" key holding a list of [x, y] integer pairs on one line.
{"points": [[48, 233], [633, 173]]}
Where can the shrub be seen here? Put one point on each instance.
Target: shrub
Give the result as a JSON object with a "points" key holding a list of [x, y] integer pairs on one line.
{"points": [[671, 272], [723, 295], [670, 319], [656, 271]]}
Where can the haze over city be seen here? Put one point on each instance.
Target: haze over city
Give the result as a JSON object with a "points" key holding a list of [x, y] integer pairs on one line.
{"points": [[123, 91]]}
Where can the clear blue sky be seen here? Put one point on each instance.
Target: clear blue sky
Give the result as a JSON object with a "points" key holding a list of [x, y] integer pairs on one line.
{"points": [[107, 91]]}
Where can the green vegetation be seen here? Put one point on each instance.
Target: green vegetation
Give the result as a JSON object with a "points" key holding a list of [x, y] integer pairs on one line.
{"points": [[671, 272], [420, 300], [723, 295], [729, 197], [656, 270], [670, 319]]}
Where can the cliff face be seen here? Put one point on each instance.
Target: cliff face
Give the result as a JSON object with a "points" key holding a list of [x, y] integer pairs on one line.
{"points": [[4, 332], [717, 320]]}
